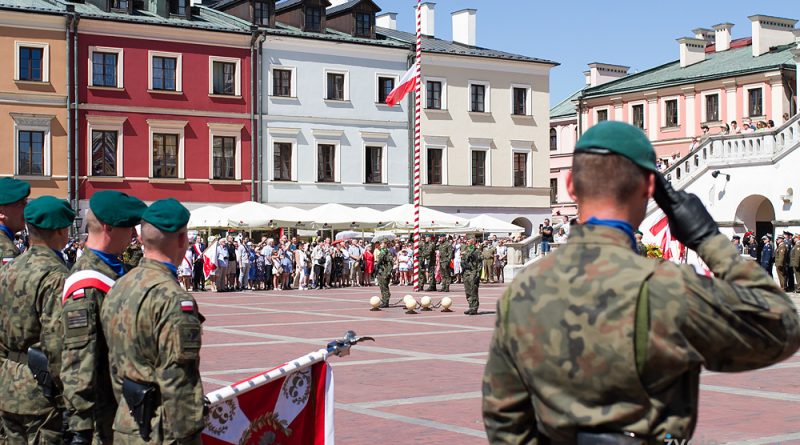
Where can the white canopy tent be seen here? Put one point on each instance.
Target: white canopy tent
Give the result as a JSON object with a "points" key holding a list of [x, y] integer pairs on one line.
{"points": [[490, 224], [336, 216], [209, 217], [251, 215], [402, 217]]}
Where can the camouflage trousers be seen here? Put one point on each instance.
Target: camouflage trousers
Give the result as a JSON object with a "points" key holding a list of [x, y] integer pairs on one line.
{"points": [[432, 275], [41, 429], [472, 280], [444, 269], [383, 284]]}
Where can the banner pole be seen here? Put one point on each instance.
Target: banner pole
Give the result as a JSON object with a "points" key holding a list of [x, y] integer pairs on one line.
{"points": [[417, 111]]}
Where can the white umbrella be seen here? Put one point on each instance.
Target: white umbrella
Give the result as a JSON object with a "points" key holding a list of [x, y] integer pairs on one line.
{"points": [[333, 216], [347, 234], [292, 217], [251, 215], [209, 217], [402, 217], [490, 224]]}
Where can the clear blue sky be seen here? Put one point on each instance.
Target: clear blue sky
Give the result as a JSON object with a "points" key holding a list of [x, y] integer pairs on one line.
{"points": [[636, 33]]}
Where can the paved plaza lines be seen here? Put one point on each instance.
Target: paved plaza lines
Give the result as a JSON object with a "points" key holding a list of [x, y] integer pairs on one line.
{"points": [[420, 382]]}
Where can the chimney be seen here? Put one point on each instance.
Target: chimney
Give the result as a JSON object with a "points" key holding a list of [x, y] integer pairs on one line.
{"points": [[704, 34], [600, 73], [722, 38], [464, 26], [387, 20], [427, 17], [770, 31], [692, 51]]}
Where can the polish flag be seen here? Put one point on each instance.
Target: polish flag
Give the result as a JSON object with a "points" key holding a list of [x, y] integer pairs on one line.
{"points": [[210, 259], [296, 409], [407, 84]]}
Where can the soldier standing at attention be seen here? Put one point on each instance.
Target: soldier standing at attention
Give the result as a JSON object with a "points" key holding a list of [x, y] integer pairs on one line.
{"points": [[781, 260], [794, 262], [13, 197], [595, 344], [488, 254], [430, 262], [88, 395], [383, 267], [471, 262], [425, 248], [445, 256], [153, 331], [30, 335]]}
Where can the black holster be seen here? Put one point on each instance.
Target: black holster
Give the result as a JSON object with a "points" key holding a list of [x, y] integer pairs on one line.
{"points": [[593, 438], [40, 367], [142, 400]]}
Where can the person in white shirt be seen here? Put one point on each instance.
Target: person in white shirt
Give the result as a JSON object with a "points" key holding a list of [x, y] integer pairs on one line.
{"points": [[266, 253]]}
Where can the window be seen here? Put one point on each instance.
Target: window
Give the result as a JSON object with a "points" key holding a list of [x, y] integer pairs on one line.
{"points": [[638, 116], [477, 98], [313, 20], [385, 86], [326, 163], [478, 167], [553, 190], [31, 64], [119, 4], [754, 102], [262, 12], [374, 165], [165, 155], [224, 157], [521, 101], [282, 83], [520, 169], [177, 7], [602, 115], [224, 75], [712, 108], [671, 113], [104, 153], [104, 69], [30, 153], [282, 161], [553, 139], [435, 165], [164, 75], [364, 24], [336, 86], [434, 94]]}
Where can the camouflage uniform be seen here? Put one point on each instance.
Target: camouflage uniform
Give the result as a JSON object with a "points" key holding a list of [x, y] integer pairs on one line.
{"points": [[85, 374], [141, 331], [424, 253], [488, 253], [471, 263], [794, 263], [132, 255], [8, 250], [153, 331], [445, 256], [383, 265], [431, 263], [566, 327], [30, 296]]}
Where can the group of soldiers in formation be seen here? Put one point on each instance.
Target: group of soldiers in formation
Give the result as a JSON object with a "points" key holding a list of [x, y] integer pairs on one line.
{"points": [[471, 262], [101, 352]]}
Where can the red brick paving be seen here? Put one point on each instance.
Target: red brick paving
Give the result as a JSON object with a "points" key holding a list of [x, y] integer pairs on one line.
{"points": [[419, 383]]}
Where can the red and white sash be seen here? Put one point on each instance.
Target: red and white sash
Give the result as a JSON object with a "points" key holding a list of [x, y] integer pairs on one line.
{"points": [[6, 260], [84, 279]]}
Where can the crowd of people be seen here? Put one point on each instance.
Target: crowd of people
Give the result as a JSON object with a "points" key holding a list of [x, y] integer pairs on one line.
{"points": [[783, 256]]}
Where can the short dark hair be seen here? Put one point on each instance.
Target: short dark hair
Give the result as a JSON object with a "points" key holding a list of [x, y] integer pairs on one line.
{"points": [[605, 176]]}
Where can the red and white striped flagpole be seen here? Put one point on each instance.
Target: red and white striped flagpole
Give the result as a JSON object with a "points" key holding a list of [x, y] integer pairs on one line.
{"points": [[417, 111]]}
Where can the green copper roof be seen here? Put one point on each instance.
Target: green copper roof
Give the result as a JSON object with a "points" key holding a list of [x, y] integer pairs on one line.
{"points": [[41, 6], [566, 107], [333, 35]]}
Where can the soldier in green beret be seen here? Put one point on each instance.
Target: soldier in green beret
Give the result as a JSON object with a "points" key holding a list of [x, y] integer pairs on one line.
{"points": [[85, 373], [13, 197], [152, 327], [445, 256], [641, 249], [471, 263], [383, 268], [30, 289], [596, 344]]}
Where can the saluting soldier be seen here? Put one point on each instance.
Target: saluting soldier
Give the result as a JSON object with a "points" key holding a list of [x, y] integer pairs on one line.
{"points": [[13, 197], [488, 252], [30, 336], [383, 267], [88, 395], [595, 344], [471, 263], [445, 256], [152, 327]]}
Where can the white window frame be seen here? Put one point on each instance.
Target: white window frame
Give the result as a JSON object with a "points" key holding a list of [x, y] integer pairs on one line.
{"points": [[437, 143], [169, 127], [237, 76], [105, 123], [346, 73], [476, 144], [596, 111], [33, 122], [292, 81], [120, 65], [527, 148], [225, 130], [178, 71], [663, 107], [528, 101], [746, 98], [487, 99], [18, 44], [377, 84], [703, 112], [425, 93], [282, 135], [643, 103], [328, 137], [375, 140]]}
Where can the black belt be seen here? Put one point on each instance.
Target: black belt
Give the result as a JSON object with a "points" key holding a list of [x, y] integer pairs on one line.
{"points": [[19, 357]]}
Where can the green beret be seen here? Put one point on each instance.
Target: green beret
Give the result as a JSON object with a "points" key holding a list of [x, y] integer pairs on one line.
{"points": [[49, 213], [167, 215], [13, 190], [613, 137], [116, 208]]}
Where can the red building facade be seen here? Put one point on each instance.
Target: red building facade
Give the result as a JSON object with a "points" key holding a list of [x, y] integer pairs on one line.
{"points": [[164, 107]]}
